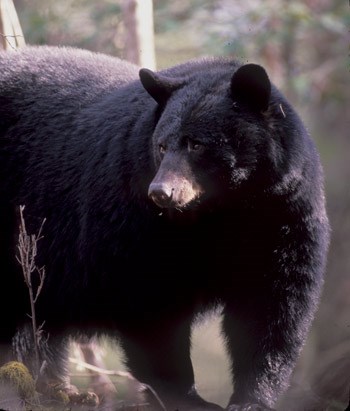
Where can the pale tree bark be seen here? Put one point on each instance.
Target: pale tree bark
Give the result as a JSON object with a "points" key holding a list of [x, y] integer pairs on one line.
{"points": [[139, 32], [11, 35]]}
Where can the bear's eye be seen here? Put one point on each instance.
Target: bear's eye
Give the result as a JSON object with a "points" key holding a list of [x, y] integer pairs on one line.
{"points": [[194, 145], [161, 148]]}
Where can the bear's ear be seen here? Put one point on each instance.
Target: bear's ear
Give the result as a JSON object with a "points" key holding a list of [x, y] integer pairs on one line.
{"points": [[157, 86], [250, 86]]}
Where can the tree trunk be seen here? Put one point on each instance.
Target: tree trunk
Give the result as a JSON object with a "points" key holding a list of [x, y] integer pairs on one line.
{"points": [[139, 32], [11, 35]]}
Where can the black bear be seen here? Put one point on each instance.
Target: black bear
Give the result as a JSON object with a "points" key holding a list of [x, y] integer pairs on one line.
{"points": [[164, 194]]}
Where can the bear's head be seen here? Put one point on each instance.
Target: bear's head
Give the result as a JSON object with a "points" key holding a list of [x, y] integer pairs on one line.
{"points": [[210, 139]]}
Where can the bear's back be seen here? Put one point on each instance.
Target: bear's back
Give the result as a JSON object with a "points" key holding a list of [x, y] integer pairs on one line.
{"points": [[58, 74], [43, 91]]}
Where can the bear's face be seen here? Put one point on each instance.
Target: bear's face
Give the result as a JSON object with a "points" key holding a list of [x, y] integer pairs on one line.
{"points": [[207, 141]]}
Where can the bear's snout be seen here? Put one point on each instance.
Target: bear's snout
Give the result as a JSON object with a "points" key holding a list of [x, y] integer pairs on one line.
{"points": [[161, 194]]}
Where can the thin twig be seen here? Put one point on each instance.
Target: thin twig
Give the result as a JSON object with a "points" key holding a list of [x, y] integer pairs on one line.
{"points": [[27, 249], [154, 393], [101, 370], [121, 374], [6, 38]]}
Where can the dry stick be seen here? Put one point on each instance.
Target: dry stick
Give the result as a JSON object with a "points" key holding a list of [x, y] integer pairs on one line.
{"points": [[27, 247], [120, 374]]}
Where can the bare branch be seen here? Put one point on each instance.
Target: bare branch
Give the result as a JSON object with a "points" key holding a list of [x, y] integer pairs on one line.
{"points": [[27, 253], [41, 273], [121, 374]]}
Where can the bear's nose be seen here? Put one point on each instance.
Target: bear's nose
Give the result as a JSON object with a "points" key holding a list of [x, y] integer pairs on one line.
{"points": [[161, 194]]}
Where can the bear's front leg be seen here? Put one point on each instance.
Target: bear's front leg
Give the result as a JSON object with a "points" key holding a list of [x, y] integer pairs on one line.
{"points": [[271, 302], [159, 356], [248, 407], [264, 338]]}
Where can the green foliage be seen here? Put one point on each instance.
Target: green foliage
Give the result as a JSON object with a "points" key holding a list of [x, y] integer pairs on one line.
{"points": [[297, 41], [79, 23]]}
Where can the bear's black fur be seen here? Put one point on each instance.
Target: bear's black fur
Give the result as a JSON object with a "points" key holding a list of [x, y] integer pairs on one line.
{"points": [[195, 186]]}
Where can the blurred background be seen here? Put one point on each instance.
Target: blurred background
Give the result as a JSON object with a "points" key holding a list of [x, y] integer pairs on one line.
{"points": [[304, 45]]}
